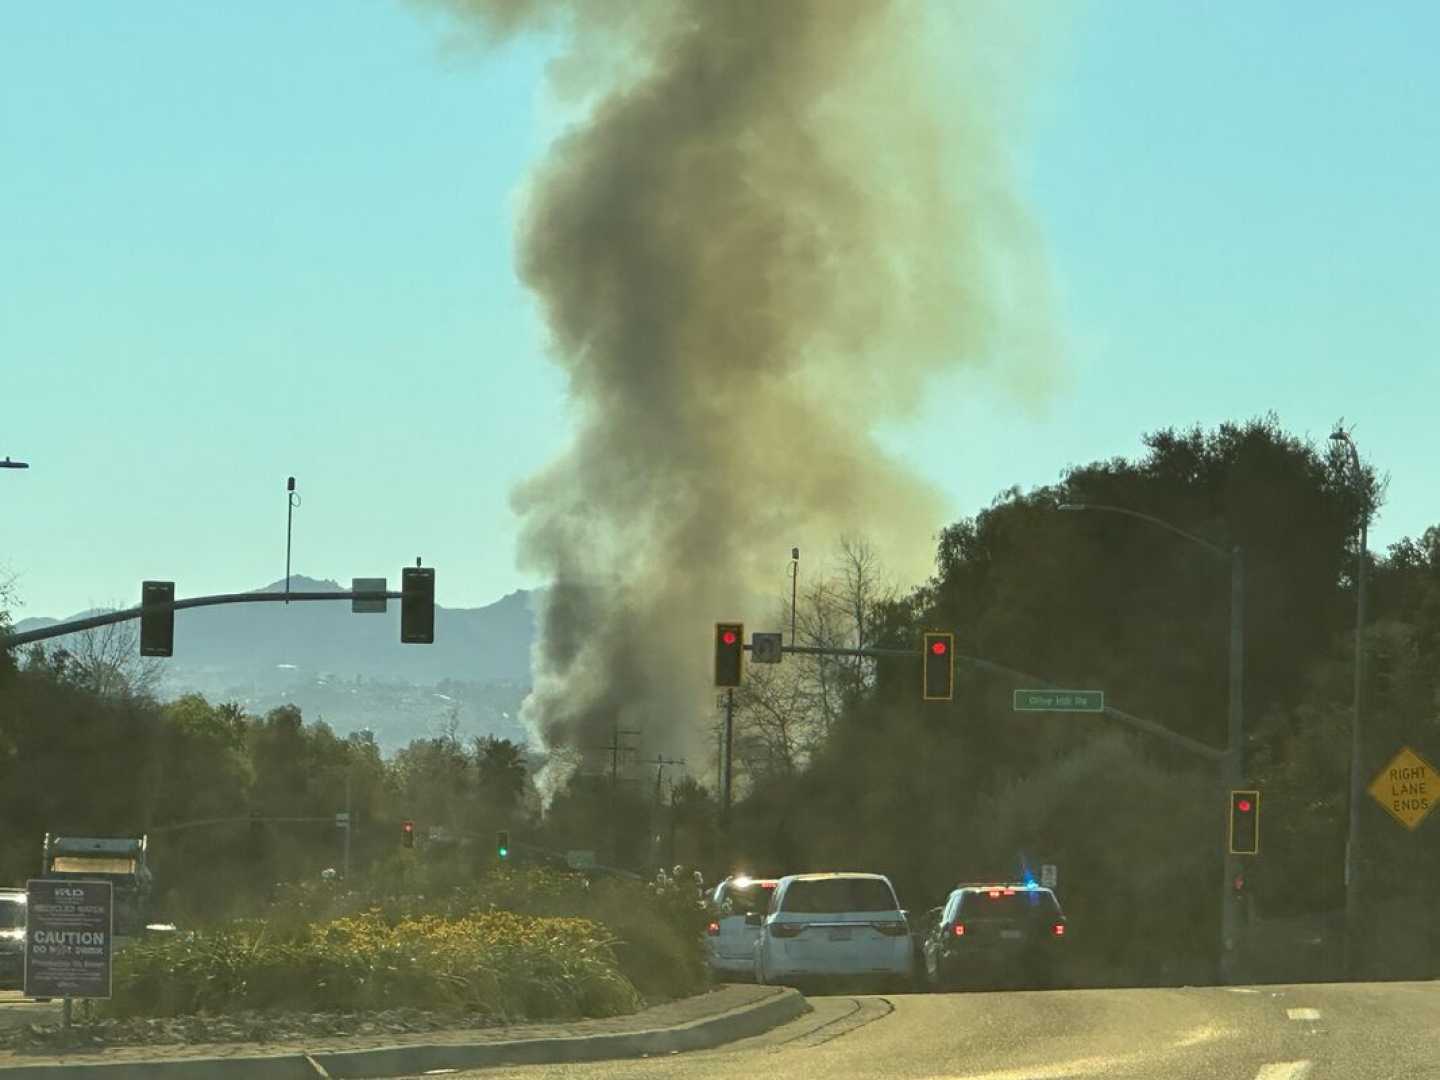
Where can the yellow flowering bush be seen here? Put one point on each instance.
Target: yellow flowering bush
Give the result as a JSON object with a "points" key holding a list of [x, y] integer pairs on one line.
{"points": [[499, 964]]}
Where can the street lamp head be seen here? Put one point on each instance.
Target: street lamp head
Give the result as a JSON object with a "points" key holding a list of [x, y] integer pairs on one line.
{"points": [[8, 464], [1339, 436]]}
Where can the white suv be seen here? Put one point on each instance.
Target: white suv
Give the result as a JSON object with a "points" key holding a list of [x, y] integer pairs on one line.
{"points": [[835, 927], [731, 939]]}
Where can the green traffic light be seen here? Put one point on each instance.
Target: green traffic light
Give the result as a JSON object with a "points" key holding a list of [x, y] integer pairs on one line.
{"points": [[504, 852]]}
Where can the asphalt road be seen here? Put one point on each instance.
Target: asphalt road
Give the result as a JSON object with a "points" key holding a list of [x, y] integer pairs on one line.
{"points": [[1363, 1031]]}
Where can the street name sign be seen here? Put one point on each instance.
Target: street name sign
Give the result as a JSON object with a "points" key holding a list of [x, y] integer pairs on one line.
{"points": [[368, 584], [1059, 701], [69, 938], [1407, 788], [766, 648]]}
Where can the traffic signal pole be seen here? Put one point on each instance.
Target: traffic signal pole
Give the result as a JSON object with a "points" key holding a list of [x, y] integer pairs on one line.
{"points": [[1234, 765], [729, 756], [74, 626]]}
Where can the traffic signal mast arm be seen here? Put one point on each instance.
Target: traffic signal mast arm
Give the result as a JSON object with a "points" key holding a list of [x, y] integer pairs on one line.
{"points": [[110, 617], [1184, 742]]}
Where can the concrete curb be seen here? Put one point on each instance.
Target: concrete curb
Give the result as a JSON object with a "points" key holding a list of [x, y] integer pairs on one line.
{"points": [[741, 1023]]}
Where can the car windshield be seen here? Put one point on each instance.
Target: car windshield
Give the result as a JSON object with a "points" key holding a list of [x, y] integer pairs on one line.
{"points": [[1003, 904], [12, 913], [749, 898], [838, 895]]}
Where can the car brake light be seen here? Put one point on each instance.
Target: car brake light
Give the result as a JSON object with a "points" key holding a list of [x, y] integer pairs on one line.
{"points": [[1058, 929], [994, 893], [959, 929], [713, 929]]}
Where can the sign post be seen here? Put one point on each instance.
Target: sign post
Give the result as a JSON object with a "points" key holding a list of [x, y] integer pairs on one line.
{"points": [[1059, 701], [69, 939], [1407, 788]]}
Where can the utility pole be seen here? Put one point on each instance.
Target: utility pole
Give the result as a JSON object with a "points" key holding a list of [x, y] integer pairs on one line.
{"points": [[1357, 779], [660, 763], [614, 749]]}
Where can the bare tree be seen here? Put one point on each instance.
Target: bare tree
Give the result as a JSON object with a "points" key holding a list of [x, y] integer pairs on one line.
{"points": [[784, 711], [106, 661]]}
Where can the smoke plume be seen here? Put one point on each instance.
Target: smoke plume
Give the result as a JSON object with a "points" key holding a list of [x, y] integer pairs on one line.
{"points": [[776, 223]]}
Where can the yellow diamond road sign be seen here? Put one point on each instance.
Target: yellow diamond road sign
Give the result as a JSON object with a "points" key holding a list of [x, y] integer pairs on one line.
{"points": [[1407, 788]]}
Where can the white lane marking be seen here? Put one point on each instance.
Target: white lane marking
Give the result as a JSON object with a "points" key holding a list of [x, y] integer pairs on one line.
{"points": [[1239, 990], [1303, 1014], [1285, 1070]]}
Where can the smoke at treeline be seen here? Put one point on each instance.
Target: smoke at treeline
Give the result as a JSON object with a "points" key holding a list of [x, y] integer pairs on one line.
{"points": [[770, 220]]}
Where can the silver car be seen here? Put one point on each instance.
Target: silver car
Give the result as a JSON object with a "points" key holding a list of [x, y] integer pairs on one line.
{"points": [[735, 928]]}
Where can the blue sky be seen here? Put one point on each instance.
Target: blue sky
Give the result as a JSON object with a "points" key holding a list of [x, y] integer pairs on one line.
{"points": [[248, 241]]}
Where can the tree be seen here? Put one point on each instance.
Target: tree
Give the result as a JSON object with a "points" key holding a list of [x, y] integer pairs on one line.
{"points": [[106, 660], [502, 772]]}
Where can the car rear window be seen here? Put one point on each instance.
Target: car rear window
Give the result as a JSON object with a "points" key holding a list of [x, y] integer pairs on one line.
{"points": [[839, 894], [754, 897], [12, 914], [1037, 902]]}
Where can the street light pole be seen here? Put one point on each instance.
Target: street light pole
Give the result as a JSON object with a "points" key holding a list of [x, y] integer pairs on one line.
{"points": [[1232, 766], [794, 585], [292, 500], [1357, 784]]}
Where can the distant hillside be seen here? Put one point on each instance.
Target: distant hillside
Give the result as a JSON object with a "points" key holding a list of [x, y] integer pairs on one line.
{"points": [[352, 669]]}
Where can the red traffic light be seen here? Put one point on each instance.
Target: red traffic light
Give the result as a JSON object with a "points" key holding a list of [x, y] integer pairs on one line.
{"points": [[939, 667], [1243, 806], [729, 653]]}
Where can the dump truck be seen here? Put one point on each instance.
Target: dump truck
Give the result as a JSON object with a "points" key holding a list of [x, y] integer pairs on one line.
{"points": [[118, 860]]}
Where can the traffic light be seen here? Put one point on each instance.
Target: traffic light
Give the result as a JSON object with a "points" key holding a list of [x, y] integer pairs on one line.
{"points": [[1244, 822], [939, 664], [729, 648], [417, 605], [407, 833], [157, 625], [502, 844]]}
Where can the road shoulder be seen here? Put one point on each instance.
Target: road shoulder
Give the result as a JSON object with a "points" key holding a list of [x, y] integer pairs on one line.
{"points": [[724, 1014]]}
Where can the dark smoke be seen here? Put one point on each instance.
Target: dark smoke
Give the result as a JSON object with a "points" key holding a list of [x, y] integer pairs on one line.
{"points": [[777, 217]]}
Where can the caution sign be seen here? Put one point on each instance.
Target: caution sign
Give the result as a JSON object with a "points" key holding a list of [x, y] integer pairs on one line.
{"points": [[69, 935], [1407, 788]]}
